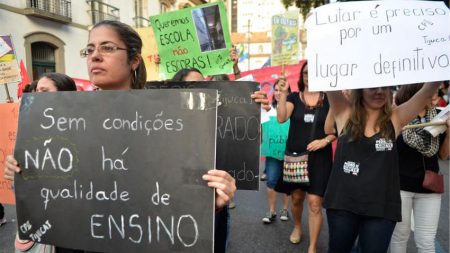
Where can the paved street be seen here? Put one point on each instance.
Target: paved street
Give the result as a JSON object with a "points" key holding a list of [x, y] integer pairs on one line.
{"points": [[249, 234]]}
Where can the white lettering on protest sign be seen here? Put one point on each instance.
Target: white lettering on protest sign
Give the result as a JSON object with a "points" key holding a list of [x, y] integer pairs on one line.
{"points": [[62, 159], [377, 43], [117, 185]]}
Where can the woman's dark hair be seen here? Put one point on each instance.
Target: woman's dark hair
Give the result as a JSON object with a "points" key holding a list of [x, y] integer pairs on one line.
{"points": [[61, 81], [222, 77], [183, 73], [274, 101], [406, 92], [30, 87], [446, 84], [133, 43], [301, 83]]}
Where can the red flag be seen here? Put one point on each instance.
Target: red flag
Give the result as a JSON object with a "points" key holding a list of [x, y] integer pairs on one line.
{"points": [[25, 79], [267, 76], [83, 85]]}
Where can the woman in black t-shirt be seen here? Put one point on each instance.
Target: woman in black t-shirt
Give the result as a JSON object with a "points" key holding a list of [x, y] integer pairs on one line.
{"points": [[308, 112], [363, 194]]}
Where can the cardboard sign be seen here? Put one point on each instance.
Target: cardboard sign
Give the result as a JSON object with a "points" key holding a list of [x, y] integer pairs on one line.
{"points": [[123, 176], [195, 37], [285, 38], [9, 115], [149, 52], [367, 44], [274, 138], [9, 68], [238, 128]]}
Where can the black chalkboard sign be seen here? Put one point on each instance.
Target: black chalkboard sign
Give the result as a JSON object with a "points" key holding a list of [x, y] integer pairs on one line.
{"points": [[117, 171], [238, 128]]}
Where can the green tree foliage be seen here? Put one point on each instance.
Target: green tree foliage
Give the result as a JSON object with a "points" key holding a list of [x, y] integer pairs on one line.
{"points": [[304, 5]]}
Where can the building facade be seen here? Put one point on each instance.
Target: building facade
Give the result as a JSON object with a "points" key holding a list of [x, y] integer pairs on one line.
{"points": [[48, 34], [251, 31]]}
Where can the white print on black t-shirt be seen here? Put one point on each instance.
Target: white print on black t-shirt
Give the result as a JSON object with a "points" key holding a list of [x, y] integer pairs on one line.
{"points": [[351, 168], [308, 118], [384, 145]]}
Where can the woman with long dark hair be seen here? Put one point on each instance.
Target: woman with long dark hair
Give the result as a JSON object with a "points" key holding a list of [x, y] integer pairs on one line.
{"points": [[308, 112], [363, 194], [114, 62], [418, 151]]}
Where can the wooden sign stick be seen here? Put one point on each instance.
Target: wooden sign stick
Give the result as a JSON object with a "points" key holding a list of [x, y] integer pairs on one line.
{"points": [[8, 97], [435, 123]]}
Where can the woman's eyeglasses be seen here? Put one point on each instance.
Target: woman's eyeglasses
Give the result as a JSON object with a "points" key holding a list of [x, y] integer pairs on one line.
{"points": [[102, 49]]}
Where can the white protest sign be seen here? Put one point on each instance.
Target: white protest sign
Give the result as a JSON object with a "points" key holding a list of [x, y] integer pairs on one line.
{"points": [[377, 43], [441, 117]]}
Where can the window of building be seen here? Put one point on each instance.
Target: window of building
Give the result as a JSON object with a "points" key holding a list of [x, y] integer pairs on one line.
{"points": [[44, 53], [164, 7], [140, 13], [234, 15], [260, 49], [43, 58], [102, 11], [56, 10]]}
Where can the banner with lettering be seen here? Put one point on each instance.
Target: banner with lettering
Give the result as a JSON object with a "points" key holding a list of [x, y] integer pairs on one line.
{"points": [[9, 115], [238, 128], [195, 37], [9, 68], [274, 138], [377, 43], [285, 38], [125, 176]]}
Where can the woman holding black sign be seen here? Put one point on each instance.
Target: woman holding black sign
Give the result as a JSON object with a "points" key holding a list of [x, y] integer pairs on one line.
{"points": [[308, 112], [363, 193], [114, 62], [48, 82]]}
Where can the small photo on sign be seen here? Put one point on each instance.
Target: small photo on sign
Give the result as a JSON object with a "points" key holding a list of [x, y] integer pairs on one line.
{"points": [[209, 28], [5, 45]]}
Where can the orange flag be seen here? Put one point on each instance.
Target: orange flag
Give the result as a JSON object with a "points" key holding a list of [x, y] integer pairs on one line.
{"points": [[9, 113]]}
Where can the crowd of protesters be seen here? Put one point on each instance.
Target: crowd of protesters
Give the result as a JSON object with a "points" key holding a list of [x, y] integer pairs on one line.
{"points": [[365, 190]]}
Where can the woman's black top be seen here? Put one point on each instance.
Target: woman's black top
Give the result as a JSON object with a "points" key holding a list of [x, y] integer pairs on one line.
{"points": [[307, 124], [365, 177], [303, 120], [412, 167]]}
